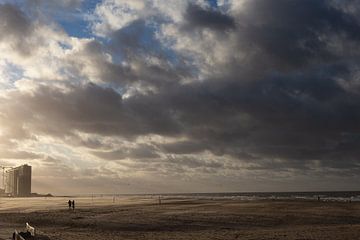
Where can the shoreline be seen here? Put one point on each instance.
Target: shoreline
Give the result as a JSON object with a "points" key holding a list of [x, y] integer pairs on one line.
{"points": [[33, 204]]}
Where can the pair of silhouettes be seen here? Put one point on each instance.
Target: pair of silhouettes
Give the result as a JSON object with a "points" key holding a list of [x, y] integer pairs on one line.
{"points": [[71, 204]]}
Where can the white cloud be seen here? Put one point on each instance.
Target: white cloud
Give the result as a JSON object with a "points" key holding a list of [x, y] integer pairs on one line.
{"points": [[112, 15]]}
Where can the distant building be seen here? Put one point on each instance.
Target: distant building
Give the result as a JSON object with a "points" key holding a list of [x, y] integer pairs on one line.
{"points": [[18, 181]]}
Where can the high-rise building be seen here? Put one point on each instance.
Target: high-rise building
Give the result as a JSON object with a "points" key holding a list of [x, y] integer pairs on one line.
{"points": [[18, 181]]}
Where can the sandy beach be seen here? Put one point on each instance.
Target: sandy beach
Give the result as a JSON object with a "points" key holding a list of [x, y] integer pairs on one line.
{"points": [[143, 218]]}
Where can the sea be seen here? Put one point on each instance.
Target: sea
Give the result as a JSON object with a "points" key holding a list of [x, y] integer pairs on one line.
{"points": [[336, 196]]}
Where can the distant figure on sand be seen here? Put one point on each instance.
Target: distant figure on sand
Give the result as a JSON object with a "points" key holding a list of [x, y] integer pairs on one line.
{"points": [[69, 203], [318, 198], [73, 204]]}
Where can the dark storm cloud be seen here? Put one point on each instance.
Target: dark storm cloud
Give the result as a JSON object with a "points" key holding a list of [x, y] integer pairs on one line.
{"points": [[108, 71], [292, 102], [199, 17], [183, 147], [88, 108], [282, 117], [296, 33], [16, 29], [140, 152], [136, 43], [195, 163]]}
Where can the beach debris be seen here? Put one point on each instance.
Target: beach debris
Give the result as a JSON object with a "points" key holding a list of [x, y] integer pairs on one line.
{"points": [[30, 229], [29, 234]]}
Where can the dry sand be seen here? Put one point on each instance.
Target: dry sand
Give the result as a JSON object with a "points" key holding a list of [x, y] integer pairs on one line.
{"points": [[142, 218]]}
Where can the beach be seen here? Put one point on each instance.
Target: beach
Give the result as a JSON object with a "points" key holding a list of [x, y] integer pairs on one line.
{"points": [[181, 218]]}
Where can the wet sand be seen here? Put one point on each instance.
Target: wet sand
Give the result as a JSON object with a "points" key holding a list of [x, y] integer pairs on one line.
{"points": [[143, 218]]}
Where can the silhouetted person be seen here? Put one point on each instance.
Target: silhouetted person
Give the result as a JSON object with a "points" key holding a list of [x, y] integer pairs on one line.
{"points": [[13, 236], [73, 204], [69, 203], [318, 198]]}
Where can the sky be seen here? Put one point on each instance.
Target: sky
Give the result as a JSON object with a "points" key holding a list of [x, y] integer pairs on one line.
{"points": [[156, 96]]}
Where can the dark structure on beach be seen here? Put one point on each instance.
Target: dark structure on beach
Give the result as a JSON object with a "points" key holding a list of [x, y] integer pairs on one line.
{"points": [[18, 181]]}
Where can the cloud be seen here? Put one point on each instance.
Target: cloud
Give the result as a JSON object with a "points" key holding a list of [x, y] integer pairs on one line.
{"points": [[18, 155], [313, 30], [113, 15], [140, 152], [207, 18], [183, 147], [15, 29], [62, 3], [192, 94]]}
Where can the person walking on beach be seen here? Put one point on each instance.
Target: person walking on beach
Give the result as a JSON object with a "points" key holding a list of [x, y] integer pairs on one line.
{"points": [[73, 204], [69, 203]]}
